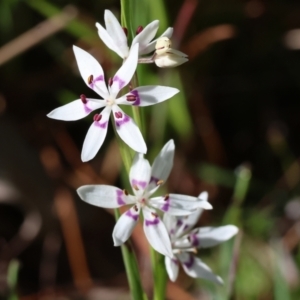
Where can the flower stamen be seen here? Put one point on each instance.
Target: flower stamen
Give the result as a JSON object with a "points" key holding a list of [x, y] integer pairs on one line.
{"points": [[97, 117], [90, 79], [83, 98], [118, 115]]}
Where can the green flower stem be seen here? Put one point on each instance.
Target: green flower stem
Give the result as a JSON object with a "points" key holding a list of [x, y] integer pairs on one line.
{"points": [[131, 267], [159, 275]]}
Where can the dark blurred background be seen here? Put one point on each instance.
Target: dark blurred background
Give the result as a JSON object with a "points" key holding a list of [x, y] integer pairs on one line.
{"points": [[236, 126]]}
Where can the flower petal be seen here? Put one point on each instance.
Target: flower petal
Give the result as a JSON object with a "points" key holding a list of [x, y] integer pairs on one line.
{"points": [[125, 225], [151, 46], [139, 173], [115, 30], [212, 236], [194, 267], [162, 165], [172, 267], [156, 233], [91, 71], [170, 223], [175, 204], [95, 136], [108, 41], [128, 130], [169, 60], [75, 110], [147, 35], [148, 95], [186, 223], [105, 196], [125, 73]]}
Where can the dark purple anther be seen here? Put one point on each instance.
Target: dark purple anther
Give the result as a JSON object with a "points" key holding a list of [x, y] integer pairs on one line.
{"points": [[131, 98], [167, 197], [139, 29], [97, 117], [83, 98], [110, 81], [118, 115], [125, 30]]}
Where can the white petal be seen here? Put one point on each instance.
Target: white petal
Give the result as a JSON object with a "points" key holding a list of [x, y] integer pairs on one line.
{"points": [[156, 233], [168, 33], [95, 136], [172, 267], [169, 60], [195, 268], [190, 221], [115, 30], [148, 95], [151, 46], [176, 52], [175, 204], [162, 165], [91, 71], [212, 236], [140, 172], [125, 73], [75, 110], [108, 41], [147, 35], [105, 196], [129, 131], [125, 225], [170, 223]]}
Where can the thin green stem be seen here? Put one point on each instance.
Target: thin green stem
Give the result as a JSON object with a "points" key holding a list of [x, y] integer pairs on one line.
{"points": [[159, 275]]}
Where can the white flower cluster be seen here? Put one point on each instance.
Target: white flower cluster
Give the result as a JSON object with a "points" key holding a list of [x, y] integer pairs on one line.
{"points": [[173, 236]]}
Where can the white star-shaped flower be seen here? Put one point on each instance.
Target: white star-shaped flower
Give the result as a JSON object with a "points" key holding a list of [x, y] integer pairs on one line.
{"points": [[115, 38], [92, 74], [186, 241], [144, 180]]}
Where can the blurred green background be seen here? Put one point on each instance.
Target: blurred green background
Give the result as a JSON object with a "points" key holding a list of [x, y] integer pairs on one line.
{"points": [[236, 125]]}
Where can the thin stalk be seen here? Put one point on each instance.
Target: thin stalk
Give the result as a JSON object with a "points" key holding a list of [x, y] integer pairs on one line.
{"points": [[159, 275], [131, 267]]}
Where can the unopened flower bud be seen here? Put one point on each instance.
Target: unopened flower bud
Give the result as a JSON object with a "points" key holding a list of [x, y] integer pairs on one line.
{"points": [[163, 44], [165, 56]]}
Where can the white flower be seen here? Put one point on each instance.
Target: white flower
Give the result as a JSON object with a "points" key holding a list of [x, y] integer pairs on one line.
{"points": [[115, 38], [186, 241], [144, 181], [92, 73], [165, 56]]}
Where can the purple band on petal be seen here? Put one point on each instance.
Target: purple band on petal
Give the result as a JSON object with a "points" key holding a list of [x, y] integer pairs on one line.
{"points": [[179, 223], [190, 262], [131, 215], [141, 184], [186, 226], [101, 125], [166, 205], [172, 231], [152, 222], [175, 261], [86, 108], [120, 195], [194, 240], [123, 121], [137, 102], [154, 179], [99, 78], [120, 81]]}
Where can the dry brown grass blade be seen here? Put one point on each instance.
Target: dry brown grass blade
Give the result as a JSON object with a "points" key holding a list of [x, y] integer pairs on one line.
{"points": [[37, 34], [67, 215]]}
